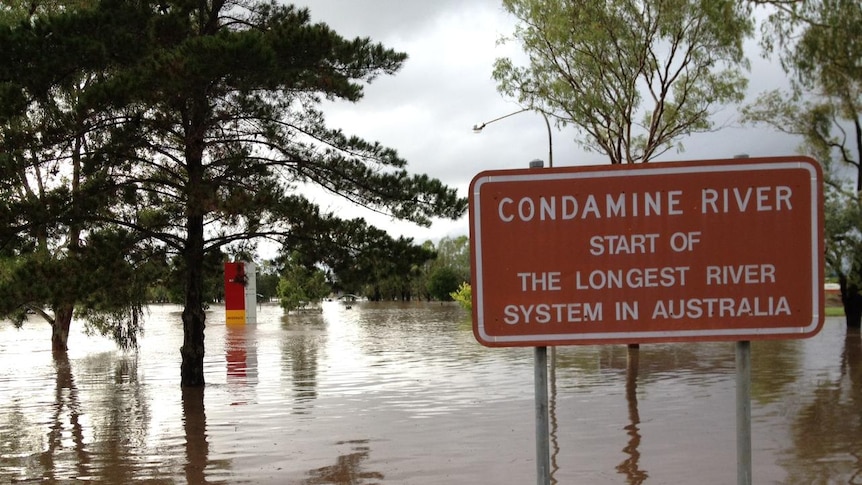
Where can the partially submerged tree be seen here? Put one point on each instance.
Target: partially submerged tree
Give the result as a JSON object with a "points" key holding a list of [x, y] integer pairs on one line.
{"points": [[442, 282], [454, 252], [57, 259], [820, 46], [301, 284], [222, 128], [449, 270], [632, 76]]}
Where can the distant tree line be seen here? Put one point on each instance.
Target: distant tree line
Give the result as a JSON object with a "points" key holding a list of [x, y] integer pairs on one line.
{"points": [[427, 272]]}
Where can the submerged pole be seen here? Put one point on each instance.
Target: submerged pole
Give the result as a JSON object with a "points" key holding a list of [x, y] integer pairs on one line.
{"points": [[543, 449]]}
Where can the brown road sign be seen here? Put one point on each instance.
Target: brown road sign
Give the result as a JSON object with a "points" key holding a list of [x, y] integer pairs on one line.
{"points": [[684, 251]]}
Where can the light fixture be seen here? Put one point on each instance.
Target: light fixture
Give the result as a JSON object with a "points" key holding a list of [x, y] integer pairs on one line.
{"points": [[477, 128]]}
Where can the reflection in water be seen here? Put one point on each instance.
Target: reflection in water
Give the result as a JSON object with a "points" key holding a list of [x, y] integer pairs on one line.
{"points": [[300, 354], [195, 427], [779, 367], [123, 415], [827, 429], [851, 369], [241, 361], [347, 469], [236, 354], [88, 432], [552, 415], [66, 406], [631, 466]]}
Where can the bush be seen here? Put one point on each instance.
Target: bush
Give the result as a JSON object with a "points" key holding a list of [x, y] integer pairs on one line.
{"points": [[464, 296], [442, 282]]}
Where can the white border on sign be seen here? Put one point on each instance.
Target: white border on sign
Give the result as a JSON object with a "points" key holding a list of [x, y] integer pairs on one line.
{"points": [[648, 172]]}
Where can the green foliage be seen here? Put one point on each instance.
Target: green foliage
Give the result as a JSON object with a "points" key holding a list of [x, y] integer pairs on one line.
{"points": [[464, 296], [631, 76], [290, 294], [167, 284], [452, 262], [106, 278], [442, 282], [455, 254], [61, 255], [300, 285], [818, 44], [843, 229], [363, 259]]}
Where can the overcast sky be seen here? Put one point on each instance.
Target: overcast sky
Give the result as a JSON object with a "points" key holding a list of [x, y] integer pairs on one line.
{"points": [[426, 111]]}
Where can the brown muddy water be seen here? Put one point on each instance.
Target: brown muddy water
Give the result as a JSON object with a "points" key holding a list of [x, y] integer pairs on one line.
{"points": [[390, 393]]}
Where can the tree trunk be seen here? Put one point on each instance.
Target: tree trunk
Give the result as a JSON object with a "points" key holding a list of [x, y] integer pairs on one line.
{"points": [[194, 318], [60, 328], [853, 311], [192, 351], [198, 198], [852, 301]]}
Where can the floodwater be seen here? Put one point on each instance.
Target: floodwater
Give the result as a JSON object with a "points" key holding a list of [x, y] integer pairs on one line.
{"points": [[400, 393]]}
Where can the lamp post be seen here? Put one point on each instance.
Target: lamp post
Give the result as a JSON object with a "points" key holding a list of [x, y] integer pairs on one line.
{"points": [[477, 128], [545, 407]]}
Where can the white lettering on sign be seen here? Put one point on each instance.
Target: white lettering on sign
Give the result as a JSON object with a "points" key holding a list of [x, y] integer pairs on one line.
{"points": [[632, 278], [540, 281], [642, 204], [569, 207], [684, 241], [553, 313], [695, 308], [748, 274], [623, 244], [761, 199]]}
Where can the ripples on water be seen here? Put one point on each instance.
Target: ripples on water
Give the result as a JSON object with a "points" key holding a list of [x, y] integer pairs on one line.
{"points": [[401, 393]]}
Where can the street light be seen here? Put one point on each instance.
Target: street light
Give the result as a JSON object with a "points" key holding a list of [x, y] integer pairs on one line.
{"points": [[545, 407], [477, 128]]}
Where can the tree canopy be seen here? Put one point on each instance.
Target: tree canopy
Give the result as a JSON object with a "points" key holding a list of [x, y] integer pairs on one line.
{"points": [[632, 76], [819, 44], [450, 269]]}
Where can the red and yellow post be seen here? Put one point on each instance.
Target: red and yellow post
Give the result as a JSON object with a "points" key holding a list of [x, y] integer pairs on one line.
{"points": [[240, 293]]}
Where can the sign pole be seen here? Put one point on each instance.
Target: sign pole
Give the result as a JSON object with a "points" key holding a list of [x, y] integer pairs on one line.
{"points": [[743, 412], [543, 438], [543, 451]]}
